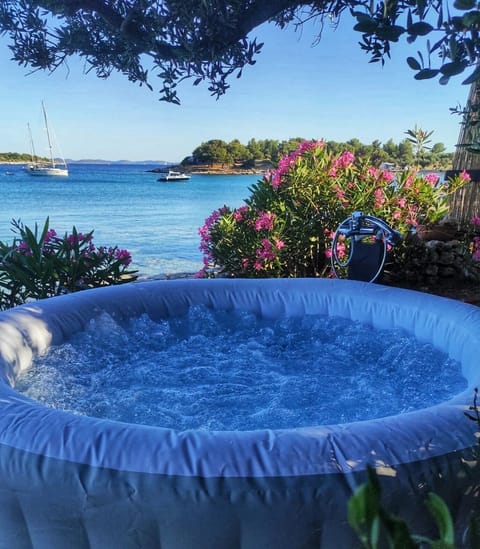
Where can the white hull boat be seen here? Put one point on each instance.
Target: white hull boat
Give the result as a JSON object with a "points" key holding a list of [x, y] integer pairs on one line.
{"points": [[51, 168], [174, 176]]}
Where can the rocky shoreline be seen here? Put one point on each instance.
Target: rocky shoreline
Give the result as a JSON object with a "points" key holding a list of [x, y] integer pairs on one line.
{"points": [[260, 168]]}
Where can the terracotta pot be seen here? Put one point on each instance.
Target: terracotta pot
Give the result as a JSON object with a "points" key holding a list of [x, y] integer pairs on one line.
{"points": [[436, 232]]}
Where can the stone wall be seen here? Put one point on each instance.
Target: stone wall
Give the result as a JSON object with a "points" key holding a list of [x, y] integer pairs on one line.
{"points": [[433, 262]]}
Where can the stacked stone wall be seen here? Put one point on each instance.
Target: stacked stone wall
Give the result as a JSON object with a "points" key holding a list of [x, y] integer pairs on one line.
{"points": [[433, 262]]}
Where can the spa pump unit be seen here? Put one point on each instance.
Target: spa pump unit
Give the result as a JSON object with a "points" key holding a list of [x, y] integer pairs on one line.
{"points": [[360, 247]]}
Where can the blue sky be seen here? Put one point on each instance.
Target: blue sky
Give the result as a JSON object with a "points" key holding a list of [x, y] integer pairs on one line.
{"points": [[295, 89]]}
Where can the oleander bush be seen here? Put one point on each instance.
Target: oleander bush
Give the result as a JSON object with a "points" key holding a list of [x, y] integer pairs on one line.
{"points": [[285, 227], [41, 263]]}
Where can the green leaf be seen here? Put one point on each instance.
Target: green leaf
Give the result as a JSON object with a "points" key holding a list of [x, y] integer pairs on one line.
{"points": [[473, 77], [443, 518], [451, 69], [472, 18], [413, 64], [398, 531], [425, 74], [391, 32], [420, 29], [367, 26], [464, 4], [363, 511]]}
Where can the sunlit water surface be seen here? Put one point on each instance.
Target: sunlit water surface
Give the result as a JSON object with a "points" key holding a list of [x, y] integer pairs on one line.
{"points": [[126, 206]]}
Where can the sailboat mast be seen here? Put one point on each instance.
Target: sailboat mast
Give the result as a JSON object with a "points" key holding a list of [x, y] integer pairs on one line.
{"points": [[48, 134], [33, 154]]}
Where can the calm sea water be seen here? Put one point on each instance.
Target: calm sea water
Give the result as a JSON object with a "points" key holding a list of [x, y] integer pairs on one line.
{"points": [[126, 206]]}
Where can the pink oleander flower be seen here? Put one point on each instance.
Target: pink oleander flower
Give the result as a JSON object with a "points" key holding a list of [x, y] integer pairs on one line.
{"points": [[344, 160], [24, 248], [476, 251], [341, 250], [373, 172], [432, 179], [465, 176], [402, 202], [476, 221], [72, 239], [265, 252], [240, 212], [289, 160], [329, 233], [388, 176], [204, 230], [265, 221], [123, 256], [279, 244], [310, 145], [379, 198], [49, 235], [78, 238]]}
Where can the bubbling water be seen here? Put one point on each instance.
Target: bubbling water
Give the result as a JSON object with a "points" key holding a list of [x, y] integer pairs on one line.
{"points": [[217, 370]]}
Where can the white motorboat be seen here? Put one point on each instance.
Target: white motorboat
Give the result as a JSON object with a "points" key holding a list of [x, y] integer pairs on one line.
{"points": [[53, 167], [174, 176]]}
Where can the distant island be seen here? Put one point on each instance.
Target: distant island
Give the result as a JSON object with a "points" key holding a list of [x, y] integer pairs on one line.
{"points": [[100, 161], [25, 158]]}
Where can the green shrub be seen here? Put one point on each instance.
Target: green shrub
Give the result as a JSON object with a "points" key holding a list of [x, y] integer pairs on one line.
{"points": [[286, 226], [376, 527], [40, 264]]}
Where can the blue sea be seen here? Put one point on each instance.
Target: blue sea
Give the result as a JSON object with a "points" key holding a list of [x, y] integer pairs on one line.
{"points": [[126, 206]]}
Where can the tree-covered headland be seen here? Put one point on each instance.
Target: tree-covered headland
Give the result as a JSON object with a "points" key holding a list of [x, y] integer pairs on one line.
{"points": [[402, 154], [9, 157]]}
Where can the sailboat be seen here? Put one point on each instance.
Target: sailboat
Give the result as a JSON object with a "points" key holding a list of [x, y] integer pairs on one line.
{"points": [[52, 167]]}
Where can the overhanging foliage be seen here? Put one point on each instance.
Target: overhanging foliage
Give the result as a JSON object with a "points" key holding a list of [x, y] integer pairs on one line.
{"points": [[211, 40]]}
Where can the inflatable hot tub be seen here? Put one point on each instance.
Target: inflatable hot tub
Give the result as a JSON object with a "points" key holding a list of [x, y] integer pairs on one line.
{"points": [[80, 482]]}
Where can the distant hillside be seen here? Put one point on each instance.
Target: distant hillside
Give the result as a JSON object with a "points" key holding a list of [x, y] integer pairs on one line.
{"points": [[100, 161], [23, 158]]}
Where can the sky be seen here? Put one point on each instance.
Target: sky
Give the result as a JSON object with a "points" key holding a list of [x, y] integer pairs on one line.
{"points": [[296, 89]]}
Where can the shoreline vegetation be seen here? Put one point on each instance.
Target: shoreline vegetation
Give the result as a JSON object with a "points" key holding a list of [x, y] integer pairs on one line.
{"points": [[259, 156]]}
